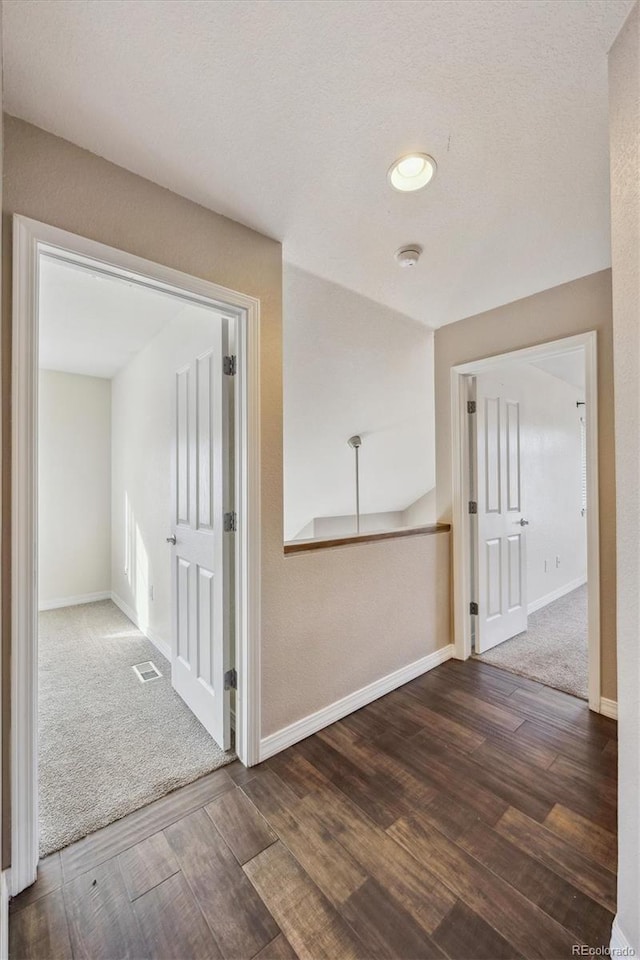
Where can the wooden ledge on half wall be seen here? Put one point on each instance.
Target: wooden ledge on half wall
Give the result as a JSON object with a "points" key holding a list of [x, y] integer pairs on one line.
{"points": [[302, 546]]}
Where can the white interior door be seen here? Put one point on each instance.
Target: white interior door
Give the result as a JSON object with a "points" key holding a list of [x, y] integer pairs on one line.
{"points": [[501, 572], [200, 654]]}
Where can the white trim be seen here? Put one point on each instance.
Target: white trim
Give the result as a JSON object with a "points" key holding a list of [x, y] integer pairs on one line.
{"points": [[161, 645], [609, 708], [555, 595], [310, 724], [248, 577], [24, 604], [30, 239], [4, 913], [461, 539], [593, 519], [619, 945], [459, 473], [75, 601]]}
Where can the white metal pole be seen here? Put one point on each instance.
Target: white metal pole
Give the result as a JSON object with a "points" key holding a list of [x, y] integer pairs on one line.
{"points": [[356, 442]]}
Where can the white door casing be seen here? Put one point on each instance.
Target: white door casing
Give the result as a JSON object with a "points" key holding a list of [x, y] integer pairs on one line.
{"points": [[201, 650], [30, 239], [464, 587], [501, 535]]}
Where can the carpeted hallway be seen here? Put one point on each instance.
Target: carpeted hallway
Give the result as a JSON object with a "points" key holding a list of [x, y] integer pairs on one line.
{"points": [[554, 648], [108, 744]]}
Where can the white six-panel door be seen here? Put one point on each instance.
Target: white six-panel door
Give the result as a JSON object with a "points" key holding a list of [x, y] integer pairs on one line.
{"points": [[501, 526], [201, 645]]}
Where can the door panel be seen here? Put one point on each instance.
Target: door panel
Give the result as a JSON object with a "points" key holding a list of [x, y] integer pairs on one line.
{"points": [[182, 445], [201, 645], [182, 611], [513, 454], [514, 556], [492, 455], [204, 374], [494, 578], [501, 570], [206, 623]]}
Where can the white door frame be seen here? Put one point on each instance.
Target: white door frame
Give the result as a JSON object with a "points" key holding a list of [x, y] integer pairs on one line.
{"points": [[30, 239], [460, 466]]}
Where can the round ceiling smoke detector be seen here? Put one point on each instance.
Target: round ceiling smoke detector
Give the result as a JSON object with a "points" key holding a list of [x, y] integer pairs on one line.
{"points": [[408, 256]]}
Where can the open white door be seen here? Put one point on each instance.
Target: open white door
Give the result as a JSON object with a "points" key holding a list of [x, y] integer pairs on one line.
{"points": [[501, 528], [200, 653]]}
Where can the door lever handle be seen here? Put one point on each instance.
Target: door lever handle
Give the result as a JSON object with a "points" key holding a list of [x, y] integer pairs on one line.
{"points": [[523, 522], [172, 539]]}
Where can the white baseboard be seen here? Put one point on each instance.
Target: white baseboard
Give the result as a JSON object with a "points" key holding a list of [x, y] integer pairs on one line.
{"points": [[303, 728], [619, 945], [161, 645], [75, 601], [609, 708], [555, 594], [4, 914]]}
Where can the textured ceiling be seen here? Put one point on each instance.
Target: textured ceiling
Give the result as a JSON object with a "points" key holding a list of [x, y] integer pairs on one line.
{"points": [[286, 115]]}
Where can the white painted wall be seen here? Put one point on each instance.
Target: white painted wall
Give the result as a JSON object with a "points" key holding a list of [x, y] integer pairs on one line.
{"points": [[551, 495], [624, 101], [74, 492], [352, 366], [345, 526], [143, 396], [421, 511]]}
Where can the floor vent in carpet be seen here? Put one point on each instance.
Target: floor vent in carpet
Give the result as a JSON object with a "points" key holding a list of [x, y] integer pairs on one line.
{"points": [[146, 671]]}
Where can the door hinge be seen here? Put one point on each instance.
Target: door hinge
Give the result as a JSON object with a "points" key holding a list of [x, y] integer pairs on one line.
{"points": [[473, 608], [230, 522], [231, 679], [473, 506], [230, 365], [471, 406]]}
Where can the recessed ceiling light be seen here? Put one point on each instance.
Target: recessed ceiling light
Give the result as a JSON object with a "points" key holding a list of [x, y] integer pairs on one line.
{"points": [[412, 172]]}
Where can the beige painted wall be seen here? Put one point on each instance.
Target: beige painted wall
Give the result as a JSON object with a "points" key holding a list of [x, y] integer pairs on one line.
{"points": [[74, 487], [624, 104], [331, 621], [349, 615], [54, 181], [563, 311]]}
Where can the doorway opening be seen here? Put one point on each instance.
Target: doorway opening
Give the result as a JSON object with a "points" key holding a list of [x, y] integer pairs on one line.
{"points": [[132, 405], [526, 569], [133, 514]]}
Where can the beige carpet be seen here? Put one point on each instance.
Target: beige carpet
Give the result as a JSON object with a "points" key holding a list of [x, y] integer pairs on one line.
{"points": [[108, 744], [554, 648]]}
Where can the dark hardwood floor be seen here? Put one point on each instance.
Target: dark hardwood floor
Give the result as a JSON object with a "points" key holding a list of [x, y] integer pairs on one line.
{"points": [[470, 814]]}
